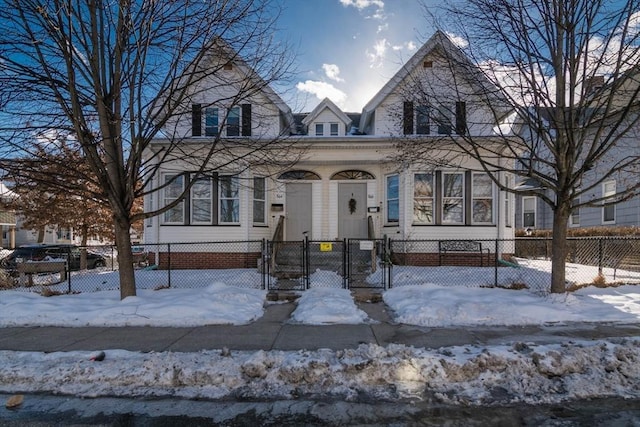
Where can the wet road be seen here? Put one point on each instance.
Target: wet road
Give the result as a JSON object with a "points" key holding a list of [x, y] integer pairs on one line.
{"points": [[45, 410]]}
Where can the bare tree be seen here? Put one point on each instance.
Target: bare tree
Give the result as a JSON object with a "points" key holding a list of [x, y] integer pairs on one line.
{"points": [[116, 74], [561, 82]]}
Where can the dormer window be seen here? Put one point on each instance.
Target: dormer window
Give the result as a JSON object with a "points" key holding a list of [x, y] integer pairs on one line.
{"points": [[319, 129], [334, 129], [427, 64]]}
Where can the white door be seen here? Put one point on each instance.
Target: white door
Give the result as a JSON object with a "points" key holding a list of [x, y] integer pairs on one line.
{"points": [[352, 210], [298, 214]]}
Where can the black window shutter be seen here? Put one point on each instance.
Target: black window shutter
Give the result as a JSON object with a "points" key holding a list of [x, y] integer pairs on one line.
{"points": [[407, 118], [196, 120], [246, 119], [461, 118]]}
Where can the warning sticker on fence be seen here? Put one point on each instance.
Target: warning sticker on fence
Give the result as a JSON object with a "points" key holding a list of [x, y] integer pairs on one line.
{"points": [[326, 247]]}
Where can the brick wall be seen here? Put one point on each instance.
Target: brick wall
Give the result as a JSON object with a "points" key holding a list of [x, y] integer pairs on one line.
{"points": [[208, 260]]}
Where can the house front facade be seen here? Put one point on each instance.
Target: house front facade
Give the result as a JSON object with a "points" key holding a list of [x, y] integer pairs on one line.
{"points": [[345, 180]]}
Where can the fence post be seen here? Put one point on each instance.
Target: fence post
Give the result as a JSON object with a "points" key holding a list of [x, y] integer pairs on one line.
{"points": [[495, 264], [600, 256], [263, 251], [169, 264], [387, 260], [346, 263], [306, 268]]}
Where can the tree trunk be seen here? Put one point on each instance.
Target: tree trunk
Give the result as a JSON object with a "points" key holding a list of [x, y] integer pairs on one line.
{"points": [[125, 257], [559, 249]]}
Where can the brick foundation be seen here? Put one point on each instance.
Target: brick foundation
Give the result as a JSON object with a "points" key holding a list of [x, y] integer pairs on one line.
{"points": [[208, 260]]}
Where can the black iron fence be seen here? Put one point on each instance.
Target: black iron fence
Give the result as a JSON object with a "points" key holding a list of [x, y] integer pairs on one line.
{"points": [[353, 263]]}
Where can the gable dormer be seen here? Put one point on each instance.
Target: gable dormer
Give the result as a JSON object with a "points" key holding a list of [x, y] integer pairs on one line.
{"points": [[226, 98], [327, 120], [439, 91]]}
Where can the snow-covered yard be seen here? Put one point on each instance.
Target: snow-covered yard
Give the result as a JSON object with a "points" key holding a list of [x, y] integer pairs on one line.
{"points": [[521, 372]]}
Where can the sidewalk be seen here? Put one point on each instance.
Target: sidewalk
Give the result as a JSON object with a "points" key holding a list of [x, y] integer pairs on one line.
{"points": [[274, 331]]}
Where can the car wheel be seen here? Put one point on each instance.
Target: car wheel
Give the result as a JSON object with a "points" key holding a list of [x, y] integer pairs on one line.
{"points": [[99, 263]]}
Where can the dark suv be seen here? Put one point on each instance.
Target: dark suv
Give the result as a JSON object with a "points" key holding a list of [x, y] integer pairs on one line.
{"points": [[69, 253]]}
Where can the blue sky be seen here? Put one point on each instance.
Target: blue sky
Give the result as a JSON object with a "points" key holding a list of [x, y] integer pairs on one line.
{"points": [[348, 49]]}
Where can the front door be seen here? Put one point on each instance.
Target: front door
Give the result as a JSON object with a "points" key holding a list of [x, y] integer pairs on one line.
{"points": [[352, 210], [298, 215]]}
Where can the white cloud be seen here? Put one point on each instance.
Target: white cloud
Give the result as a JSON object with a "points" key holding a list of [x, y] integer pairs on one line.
{"points": [[362, 4], [365, 4], [322, 90], [409, 46], [457, 40], [333, 72], [377, 55]]}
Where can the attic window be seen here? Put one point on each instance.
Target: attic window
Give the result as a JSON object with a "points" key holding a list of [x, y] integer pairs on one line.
{"points": [[227, 66], [427, 64]]}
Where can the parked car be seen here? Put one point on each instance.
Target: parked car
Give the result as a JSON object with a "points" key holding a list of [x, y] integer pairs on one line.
{"points": [[67, 252]]}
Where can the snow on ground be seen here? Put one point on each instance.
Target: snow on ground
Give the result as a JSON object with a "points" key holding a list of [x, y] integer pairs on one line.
{"points": [[469, 375]]}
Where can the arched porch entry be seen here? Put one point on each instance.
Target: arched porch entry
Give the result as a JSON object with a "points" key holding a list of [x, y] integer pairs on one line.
{"points": [[352, 203]]}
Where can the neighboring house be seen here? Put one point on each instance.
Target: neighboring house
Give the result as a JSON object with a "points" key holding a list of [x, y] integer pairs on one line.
{"points": [[344, 186], [534, 214], [7, 217]]}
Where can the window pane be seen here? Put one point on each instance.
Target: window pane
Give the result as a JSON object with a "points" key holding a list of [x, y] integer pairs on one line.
{"points": [[452, 184], [393, 203], [452, 211], [201, 201], [422, 120], [319, 129], [259, 200], [482, 185], [423, 185], [482, 211], [174, 188], [233, 122], [211, 122], [392, 187], [423, 211], [423, 198], [334, 129], [170, 193], [258, 212], [229, 201]]}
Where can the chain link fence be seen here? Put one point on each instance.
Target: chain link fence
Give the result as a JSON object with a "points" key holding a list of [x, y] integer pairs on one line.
{"points": [[516, 264]]}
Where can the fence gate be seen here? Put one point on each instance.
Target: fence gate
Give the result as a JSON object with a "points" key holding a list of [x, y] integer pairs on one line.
{"points": [[352, 263], [365, 263]]}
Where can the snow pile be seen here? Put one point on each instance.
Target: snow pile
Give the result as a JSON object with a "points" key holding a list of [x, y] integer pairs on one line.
{"points": [[456, 375], [321, 306]]}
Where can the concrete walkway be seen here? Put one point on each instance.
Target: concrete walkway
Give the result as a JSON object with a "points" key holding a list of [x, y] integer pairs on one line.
{"points": [[274, 331]]}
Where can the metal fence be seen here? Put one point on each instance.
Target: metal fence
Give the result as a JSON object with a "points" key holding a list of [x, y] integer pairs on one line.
{"points": [[353, 263]]}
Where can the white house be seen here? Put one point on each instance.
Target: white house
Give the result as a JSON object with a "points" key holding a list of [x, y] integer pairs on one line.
{"points": [[345, 183]]}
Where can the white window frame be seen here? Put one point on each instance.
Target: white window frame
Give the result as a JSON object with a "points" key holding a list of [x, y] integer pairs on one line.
{"points": [[608, 191], [211, 112], [575, 213], [420, 198], [446, 196], [535, 211], [222, 198], [508, 203], [231, 112], [389, 200], [334, 129], [195, 197], [319, 129], [488, 199], [259, 199], [166, 200]]}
